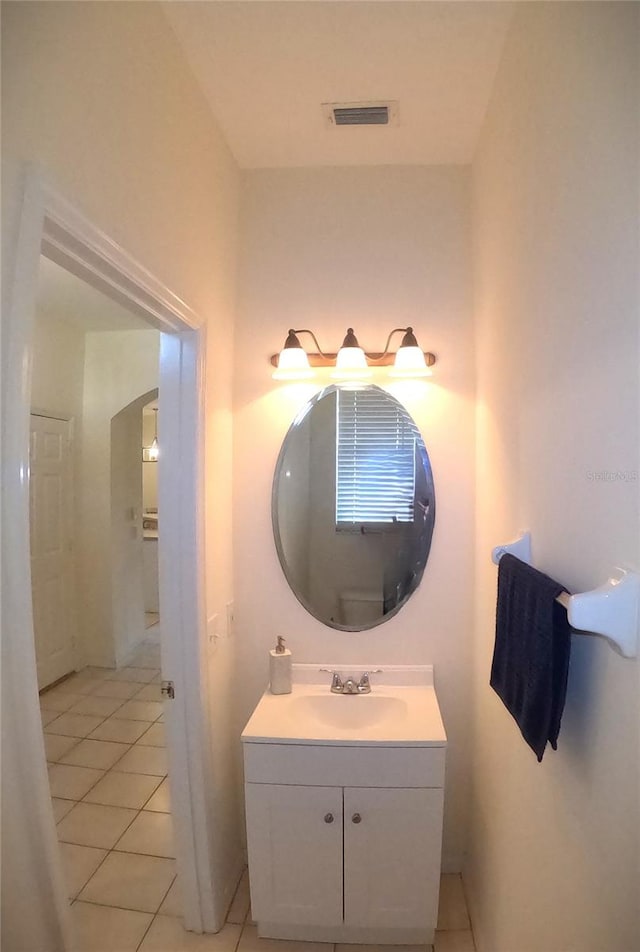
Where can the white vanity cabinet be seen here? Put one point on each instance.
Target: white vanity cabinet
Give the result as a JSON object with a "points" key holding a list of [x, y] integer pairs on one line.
{"points": [[344, 841]]}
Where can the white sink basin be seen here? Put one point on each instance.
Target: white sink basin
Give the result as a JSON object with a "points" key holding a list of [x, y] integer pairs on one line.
{"points": [[348, 711], [392, 715]]}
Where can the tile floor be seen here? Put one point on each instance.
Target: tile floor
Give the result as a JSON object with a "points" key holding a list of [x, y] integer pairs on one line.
{"points": [[104, 737]]}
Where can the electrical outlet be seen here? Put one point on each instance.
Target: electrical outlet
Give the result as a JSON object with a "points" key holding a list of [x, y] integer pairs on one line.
{"points": [[230, 619]]}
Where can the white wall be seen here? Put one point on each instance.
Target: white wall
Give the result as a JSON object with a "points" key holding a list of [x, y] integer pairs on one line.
{"points": [[58, 369], [373, 249], [100, 96], [554, 858]]}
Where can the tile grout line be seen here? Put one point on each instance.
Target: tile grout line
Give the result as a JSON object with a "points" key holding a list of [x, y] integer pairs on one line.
{"points": [[226, 922], [112, 849], [77, 740], [157, 912], [104, 905], [155, 915], [106, 718], [242, 924], [137, 810], [104, 770], [88, 737], [466, 905], [161, 777]]}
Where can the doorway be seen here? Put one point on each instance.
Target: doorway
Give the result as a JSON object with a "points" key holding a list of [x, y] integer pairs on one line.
{"points": [[99, 668], [54, 228]]}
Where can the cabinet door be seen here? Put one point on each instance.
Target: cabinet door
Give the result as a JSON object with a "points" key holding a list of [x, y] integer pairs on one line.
{"points": [[392, 856], [294, 838]]}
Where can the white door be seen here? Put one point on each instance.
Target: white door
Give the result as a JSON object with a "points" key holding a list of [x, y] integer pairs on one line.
{"points": [[50, 497], [392, 844], [294, 837]]}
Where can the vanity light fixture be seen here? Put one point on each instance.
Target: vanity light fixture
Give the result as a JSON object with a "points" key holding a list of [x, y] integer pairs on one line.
{"points": [[351, 361]]}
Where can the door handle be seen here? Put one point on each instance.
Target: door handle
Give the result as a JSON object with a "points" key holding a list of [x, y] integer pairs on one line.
{"points": [[168, 689], [328, 818], [356, 818]]}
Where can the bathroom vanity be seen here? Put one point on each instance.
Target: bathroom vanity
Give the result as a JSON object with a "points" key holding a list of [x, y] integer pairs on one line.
{"points": [[344, 803]]}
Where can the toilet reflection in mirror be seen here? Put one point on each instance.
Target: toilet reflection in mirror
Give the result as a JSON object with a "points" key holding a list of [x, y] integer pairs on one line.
{"points": [[353, 506]]}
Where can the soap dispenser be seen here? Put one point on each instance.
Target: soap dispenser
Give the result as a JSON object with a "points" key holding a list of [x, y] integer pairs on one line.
{"points": [[280, 668]]}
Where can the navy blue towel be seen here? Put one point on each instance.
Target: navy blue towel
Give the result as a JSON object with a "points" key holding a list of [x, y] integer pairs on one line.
{"points": [[531, 655]]}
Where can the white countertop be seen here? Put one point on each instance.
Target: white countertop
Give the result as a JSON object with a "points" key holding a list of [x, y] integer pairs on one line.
{"points": [[391, 716]]}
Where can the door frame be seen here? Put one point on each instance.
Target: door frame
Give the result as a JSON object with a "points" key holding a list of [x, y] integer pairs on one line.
{"points": [[52, 226]]}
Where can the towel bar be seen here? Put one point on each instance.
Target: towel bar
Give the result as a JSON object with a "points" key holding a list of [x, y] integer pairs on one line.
{"points": [[612, 610], [520, 547]]}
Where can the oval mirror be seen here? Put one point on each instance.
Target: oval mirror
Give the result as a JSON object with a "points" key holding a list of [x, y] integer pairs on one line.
{"points": [[353, 506]]}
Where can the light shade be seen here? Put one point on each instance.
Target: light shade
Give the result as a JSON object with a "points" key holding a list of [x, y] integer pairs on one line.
{"points": [[293, 363], [351, 360], [153, 450], [409, 360]]}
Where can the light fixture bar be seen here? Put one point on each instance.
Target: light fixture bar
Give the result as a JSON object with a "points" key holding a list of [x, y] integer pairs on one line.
{"points": [[382, 359], [352, 361]]}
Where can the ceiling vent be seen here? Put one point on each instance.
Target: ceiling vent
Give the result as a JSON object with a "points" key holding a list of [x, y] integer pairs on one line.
{"points": [[360, 113]]}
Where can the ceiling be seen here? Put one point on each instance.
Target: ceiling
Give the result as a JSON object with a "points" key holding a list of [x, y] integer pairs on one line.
{"points": [[66, 297], [266, 66]]}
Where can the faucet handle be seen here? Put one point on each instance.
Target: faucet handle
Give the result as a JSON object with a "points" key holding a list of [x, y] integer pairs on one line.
{"points": [[336, 680], [364, 685]]}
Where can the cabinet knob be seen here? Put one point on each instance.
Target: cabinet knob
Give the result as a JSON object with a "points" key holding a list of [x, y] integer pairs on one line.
{"points": [[356, 818], [328, 818]]}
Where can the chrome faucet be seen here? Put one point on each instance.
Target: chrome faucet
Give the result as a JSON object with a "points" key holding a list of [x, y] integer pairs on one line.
{"points": [[349, 686]]}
